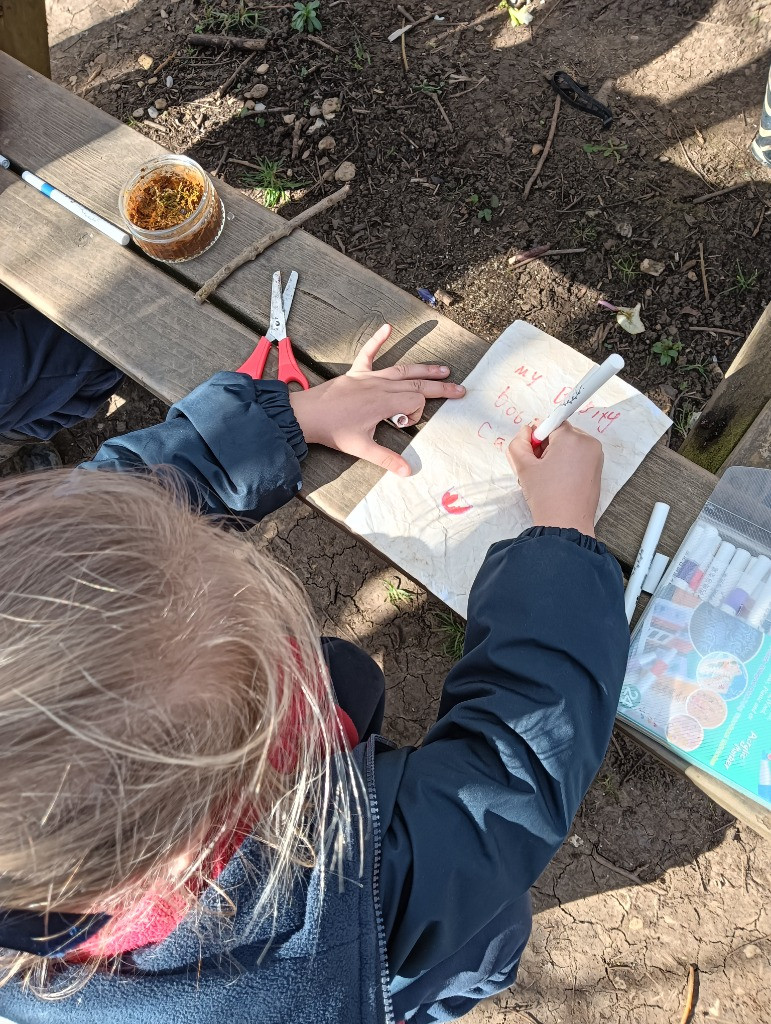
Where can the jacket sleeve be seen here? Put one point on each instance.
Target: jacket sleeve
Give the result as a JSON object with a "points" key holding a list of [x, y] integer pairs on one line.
{"points": [[234, 441], [471, 818]]}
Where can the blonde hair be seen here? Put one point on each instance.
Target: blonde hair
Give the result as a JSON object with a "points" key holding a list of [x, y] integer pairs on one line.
{"points": [[159, 677]]}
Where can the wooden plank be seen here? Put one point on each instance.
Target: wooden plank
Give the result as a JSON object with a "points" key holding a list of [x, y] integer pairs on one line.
{"points": [[24, 33], [754, 449], [736, 402]]}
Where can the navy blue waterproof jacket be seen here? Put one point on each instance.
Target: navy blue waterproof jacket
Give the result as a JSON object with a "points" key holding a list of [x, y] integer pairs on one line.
{"points": [[458, 828]]}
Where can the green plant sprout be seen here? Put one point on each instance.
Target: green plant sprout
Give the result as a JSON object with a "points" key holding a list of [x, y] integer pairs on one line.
{"points": [[395, 594], [268, 179], [484, 213], [683, 420], [305, 17], [242, 18], [626, 266], [362, 56], [612, 148], [453, 634], [668, 350]]}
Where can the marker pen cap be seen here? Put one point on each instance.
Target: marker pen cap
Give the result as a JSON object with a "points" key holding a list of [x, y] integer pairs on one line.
{"points": [[760, 604], [656, 571], [691, 542], [706, 553], [754, 573], [716, 569]]}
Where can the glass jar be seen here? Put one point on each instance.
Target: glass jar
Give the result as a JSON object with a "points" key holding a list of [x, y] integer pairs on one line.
{"points": [[190, 237]]}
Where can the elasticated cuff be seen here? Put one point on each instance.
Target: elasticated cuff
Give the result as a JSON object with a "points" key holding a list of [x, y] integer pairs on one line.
{"points": [[570, 534], [273, 398]]}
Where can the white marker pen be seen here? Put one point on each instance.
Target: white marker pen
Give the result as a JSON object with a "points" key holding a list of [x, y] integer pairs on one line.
{"points": [[710, 545], [644, 557], [731, 576], [401, 419], [584, 389], [735, 601], [715, 570], [761, 605]]}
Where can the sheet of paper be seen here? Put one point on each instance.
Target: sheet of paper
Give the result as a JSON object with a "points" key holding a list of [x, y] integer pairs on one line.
{"points": [[438, 524]]}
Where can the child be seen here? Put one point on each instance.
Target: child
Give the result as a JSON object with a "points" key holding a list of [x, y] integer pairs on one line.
{"points": [[190, 830]]}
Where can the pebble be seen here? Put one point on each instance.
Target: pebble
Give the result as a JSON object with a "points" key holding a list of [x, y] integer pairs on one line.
{"points": [[263, 69], [139, 112], [327, 145], [306, 155], [345, 172], [153, 80], [160, 103], [289, 118], [73, 79], [169, 81], [444, 297], [163, 13], [250, 104], [536, 149], [115, 86], [140, 84], [652, 267], [145, 61], [152, 112], [624, 228], [259, 108], [257, 91], [691, 276], [318, 123], [663, 159], [330, 107], [315, 110]]}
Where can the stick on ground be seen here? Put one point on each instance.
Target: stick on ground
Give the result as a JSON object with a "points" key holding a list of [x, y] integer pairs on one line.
{"points": [[259, 247], [720, 192], [703, 271], [546, 148], [220, 42], [223, 89], [690, 993]]}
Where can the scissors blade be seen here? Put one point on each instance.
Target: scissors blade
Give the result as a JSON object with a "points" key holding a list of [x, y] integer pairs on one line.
{"points": [[289, 296], [277, 328]]}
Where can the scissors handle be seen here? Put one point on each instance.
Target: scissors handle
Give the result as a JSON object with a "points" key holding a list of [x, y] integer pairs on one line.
{"points": [[288, 370], [255, 364]]}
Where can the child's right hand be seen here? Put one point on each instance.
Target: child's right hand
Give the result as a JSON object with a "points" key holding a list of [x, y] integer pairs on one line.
{"points": [[562, 487]]}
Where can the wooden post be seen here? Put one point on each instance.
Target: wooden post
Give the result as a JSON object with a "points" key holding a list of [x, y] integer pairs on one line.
{"points": [[24, 33], [737, 401]]}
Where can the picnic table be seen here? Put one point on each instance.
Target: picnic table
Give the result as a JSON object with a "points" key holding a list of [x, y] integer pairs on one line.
{"points": [[142, 316]]}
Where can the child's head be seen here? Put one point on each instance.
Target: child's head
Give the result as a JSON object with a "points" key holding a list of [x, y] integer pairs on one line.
{"points": [[158, 677]]}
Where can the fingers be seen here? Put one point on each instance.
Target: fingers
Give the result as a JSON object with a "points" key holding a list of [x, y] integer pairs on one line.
{"points": [[434, 388], [413, 371], [370, 349], [520, 449], [380, 456]]}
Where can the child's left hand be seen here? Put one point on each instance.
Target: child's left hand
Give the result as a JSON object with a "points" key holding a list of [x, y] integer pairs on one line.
{"points": [[342, 413]]}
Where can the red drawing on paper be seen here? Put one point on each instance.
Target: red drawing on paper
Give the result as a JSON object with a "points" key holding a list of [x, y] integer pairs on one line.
{"points": [[449, 498]]}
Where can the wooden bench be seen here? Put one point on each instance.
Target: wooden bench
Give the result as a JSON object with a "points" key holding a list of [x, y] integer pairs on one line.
{"points": [[142, 316]]}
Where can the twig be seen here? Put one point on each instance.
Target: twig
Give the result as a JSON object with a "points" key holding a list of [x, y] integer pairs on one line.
{"points": [[553, 8], [471, 88], [517, 263], [244, 163], [404, 56], [220, 42], [223, 89], [286, 228], [405, 28], [720, 192], [442, 111], [222, 160], [614, 867], [546, 148], [404, 13], [717, 330], [690, 993], [703, 271], [163, 63], [298, 126], [694, 168], [319, 42], [759, 225]]}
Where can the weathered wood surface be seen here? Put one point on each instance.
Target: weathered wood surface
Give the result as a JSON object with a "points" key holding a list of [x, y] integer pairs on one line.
{"points": [[24, 33], [754, 449], [142, 318], [736, 403]]}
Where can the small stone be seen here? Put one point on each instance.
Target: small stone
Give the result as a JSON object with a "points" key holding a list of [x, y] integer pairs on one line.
{"points": [[145, 61], [624, 228], [259, 108], [306, 155], [115, 86], [160, 103], [328, 175], [327, 145], [345, 172], [716, 372], [444, 297], [289, 118], [263, 69], [139, 112], [249, 104], [153, 80], [536, 149], [691, 276], [257, 91], [479, 28], [330, 107], [318, 123], [152, 112], [163, 13], [635, 924], [169, 81], [663, 159], [315, 110], [652, 267], [73, 79], [140, 84]]}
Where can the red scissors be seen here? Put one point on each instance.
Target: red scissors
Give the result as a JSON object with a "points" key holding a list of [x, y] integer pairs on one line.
{"points": [[288, 370]]}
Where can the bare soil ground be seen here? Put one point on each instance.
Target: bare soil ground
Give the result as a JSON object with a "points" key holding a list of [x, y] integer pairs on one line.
{"points": [[654, 876]]}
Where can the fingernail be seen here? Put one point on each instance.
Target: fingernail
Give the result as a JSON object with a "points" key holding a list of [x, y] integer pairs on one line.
{"points": [[459, 387], [403, 471], [443, 369]]}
